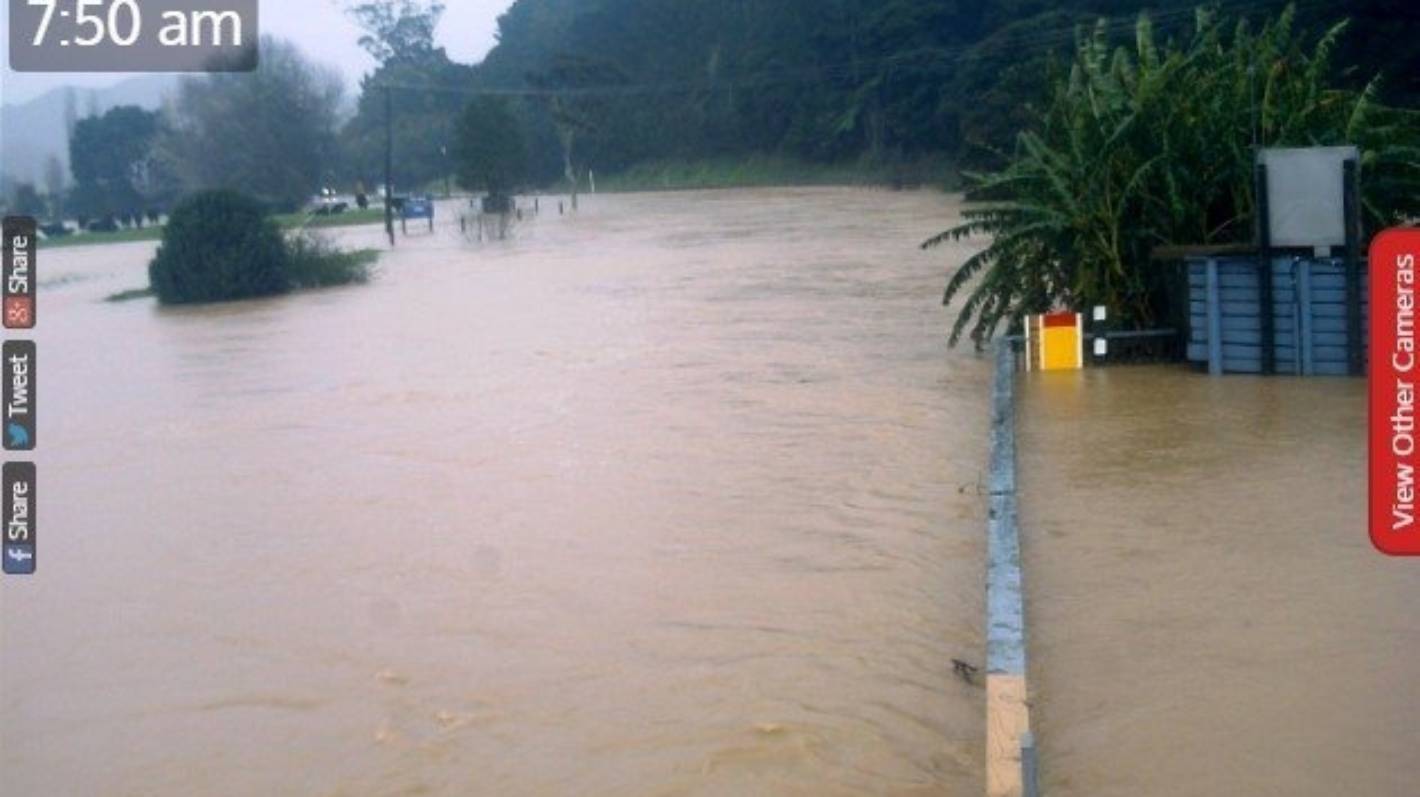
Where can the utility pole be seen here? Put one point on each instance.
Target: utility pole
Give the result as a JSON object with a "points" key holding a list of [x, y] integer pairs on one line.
{"points": [[389, 164], [448, 189]]}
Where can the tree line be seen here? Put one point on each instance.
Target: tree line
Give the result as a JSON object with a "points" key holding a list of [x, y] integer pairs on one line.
{"points": [[271, 134], [605, 84], [846, 80]]}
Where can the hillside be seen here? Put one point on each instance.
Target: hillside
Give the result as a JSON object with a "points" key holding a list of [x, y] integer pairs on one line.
{"points": [[32, 131], [836, 80]]}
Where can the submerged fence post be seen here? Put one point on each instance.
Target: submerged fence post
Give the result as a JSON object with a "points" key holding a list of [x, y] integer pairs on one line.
{"points": [[1267, 315], [1215, 319], [1305, 339]]}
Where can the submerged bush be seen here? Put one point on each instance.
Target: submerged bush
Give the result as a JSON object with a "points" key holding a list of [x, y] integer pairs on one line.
{"points": [[221, 246], [218, 246], [312, 262]]}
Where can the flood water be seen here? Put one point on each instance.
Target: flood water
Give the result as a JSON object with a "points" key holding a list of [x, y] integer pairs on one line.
{"points": [[674, 496], [1207, 615]]}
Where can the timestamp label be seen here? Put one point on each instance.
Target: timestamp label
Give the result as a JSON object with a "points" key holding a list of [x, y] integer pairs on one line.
{"points": [[134, 35]]}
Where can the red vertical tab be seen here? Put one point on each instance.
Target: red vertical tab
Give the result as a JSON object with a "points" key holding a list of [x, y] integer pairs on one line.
{"points": [[1395, 392]]}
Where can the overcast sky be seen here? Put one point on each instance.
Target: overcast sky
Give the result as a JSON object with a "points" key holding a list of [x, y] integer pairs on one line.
{"points": [[320, 27]]}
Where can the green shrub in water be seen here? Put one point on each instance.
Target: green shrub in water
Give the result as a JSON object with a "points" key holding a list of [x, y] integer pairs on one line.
{"points": [[312, 262], [219, 246]]}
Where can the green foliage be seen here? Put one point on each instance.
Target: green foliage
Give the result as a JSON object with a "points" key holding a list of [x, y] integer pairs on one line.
{"points": [[286, 221], [426, 93], [776, 170], [827, 81], [1153, 144], [312, 262], [489, 150], [573, 111], [1004, 80], [110, 159], [122, 236], [268, 133], [219, 246], [397, 30], [28, 202], [816, 80], [426, 97]]}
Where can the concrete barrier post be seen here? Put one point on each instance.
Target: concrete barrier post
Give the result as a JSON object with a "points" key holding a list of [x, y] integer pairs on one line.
{"points": [[1030, 766]]}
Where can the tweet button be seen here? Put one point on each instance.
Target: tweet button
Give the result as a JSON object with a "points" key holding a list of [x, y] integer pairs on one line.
{"points": [[18, 358]]}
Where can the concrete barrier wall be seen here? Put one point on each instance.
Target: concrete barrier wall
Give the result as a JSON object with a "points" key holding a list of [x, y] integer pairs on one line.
{"points": [[1007, 710]]}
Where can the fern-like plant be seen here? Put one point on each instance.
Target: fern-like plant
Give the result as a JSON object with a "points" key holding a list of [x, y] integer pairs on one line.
{"points": [[1154, 143]]}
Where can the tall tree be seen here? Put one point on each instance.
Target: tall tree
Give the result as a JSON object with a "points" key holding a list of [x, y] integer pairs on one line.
{"points": [[27, 201], [109, 155], [268, 133], [425, 100], [579, 102], [397, 30], [427, 92], [490, 150]]}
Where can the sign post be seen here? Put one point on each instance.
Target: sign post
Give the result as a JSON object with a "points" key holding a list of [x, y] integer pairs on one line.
{"points": [[1055, 342]]}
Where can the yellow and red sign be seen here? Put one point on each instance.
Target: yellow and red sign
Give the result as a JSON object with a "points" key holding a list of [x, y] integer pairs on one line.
{"points": [[1055, 342]]}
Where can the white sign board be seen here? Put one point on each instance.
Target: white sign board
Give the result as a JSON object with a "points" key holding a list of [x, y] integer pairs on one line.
{"points": [[1305, 195]]}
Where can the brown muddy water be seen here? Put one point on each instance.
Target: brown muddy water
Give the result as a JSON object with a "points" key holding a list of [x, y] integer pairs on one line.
{"points": [[1207, 615], [676, 496]]}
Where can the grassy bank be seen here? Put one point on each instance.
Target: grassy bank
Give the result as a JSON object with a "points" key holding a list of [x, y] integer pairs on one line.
{"points": [[151, 233], [288, 221], [350, 218], [771, 171]]}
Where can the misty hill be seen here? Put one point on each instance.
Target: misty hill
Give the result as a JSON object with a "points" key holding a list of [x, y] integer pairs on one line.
{"points": [[32, 131]]}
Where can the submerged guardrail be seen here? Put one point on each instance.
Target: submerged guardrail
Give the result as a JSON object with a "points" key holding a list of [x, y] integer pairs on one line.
{"points": [[1122, 347]]}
